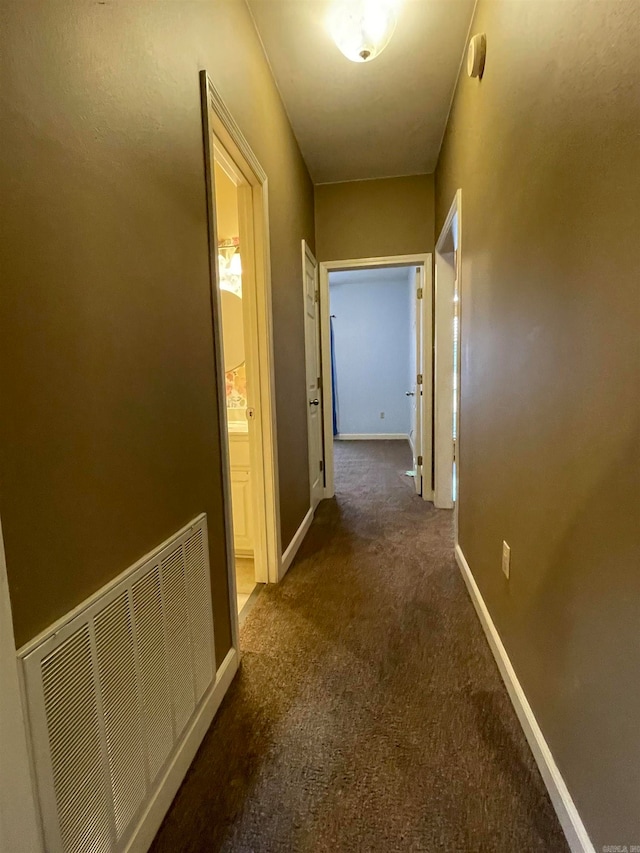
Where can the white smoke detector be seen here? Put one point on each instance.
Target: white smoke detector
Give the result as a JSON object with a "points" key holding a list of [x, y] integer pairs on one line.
{"points": [[476, 55]]}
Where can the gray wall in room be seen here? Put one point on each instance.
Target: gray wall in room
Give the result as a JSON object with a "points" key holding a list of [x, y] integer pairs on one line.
{"points": [[372, 337], [546, 150]]}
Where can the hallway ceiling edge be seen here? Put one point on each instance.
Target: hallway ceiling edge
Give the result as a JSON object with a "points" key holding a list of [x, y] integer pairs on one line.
{"points": [[378, 119]]}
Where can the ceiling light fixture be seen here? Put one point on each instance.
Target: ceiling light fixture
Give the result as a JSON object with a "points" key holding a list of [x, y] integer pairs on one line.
{"points": [[362, 28]]}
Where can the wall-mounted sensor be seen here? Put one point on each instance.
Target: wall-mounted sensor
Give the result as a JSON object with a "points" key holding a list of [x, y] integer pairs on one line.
{"points": [[476, 55]]}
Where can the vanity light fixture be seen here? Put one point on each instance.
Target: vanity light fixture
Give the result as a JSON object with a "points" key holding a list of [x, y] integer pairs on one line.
{"points": [[235, 264], [230, 265], [362, 28]]}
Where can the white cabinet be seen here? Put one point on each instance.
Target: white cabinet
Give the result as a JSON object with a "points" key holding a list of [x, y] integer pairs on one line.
{"points": [[241, 492]]}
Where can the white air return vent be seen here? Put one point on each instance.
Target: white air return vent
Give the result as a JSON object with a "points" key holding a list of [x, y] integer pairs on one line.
{"points": [[112, 690]]}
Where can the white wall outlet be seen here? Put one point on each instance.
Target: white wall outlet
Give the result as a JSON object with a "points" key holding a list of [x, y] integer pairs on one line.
{"points": [[506, 560], [382, 415]]}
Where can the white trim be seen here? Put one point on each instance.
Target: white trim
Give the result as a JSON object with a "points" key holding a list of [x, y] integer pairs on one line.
{"points": [[220, 124], [382, 261], [570, 820], [231, 128], [445, 276], [20, 827], [296, 542], [426, 401], [371, 436], [152, 818], [325, 268]]}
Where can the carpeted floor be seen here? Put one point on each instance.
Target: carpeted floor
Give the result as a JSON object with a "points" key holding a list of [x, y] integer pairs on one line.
{"points": [[368, 714]]}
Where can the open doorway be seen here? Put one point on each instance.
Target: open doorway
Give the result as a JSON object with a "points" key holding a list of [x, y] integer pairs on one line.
{"points": [[447, 302], [239, 381], [241, 301], [376, 364]]}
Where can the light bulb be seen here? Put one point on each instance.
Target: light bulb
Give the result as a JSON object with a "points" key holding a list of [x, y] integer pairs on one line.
{"points": [[235, 267], [362, 28]]}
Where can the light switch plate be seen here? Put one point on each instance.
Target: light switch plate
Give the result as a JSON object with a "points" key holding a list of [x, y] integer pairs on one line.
{"points": [[506, 560]]}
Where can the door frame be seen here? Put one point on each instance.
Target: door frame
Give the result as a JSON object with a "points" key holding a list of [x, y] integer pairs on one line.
{"points": [[326, 267], [450, 239], [307, 255], [221, 129], [20, 827]]}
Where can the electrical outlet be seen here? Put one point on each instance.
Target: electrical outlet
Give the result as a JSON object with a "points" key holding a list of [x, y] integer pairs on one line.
{"points": [[506, 560], [382, 415]]}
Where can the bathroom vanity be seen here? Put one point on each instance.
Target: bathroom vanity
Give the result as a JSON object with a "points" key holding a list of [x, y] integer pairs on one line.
{"points": [[241, 489]]}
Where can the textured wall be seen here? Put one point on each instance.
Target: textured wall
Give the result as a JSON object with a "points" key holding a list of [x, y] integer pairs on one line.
{"points": [[546, 150], [373, 346], [367, 219], [226, 205], [108, 436]]}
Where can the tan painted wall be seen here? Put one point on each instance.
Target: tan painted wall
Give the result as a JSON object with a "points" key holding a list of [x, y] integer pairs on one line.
{"points": [[108, 434], [226, 205], [546, 151], [366, 219]]}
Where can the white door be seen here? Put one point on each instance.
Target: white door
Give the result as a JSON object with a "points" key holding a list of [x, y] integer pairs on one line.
{"points": [[456, 377], [418, 386], [313, 372], [445, 384]]}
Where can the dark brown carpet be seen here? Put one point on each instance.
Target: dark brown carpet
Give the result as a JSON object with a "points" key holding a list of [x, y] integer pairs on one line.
{"points": [[368, 714]]}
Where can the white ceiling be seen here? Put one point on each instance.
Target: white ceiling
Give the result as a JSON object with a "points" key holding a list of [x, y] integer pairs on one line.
{"points": [[365, 120]]}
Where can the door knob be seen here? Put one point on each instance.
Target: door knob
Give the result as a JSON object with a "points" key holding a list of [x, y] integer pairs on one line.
{"points": [[315, 402], [409, 393]]}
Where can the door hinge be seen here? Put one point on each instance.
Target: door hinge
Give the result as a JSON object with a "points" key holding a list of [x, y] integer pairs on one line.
{"points": [[316, 296], [455, 450], [419, 294], [419, 379], [321, 465], [419, 460]]}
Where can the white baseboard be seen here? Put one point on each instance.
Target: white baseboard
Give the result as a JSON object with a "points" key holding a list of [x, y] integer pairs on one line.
{"points": [[373, 436], [570, 820], [296, 542], [152, 818]]}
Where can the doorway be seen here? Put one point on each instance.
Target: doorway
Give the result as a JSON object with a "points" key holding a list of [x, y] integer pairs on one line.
{"points": [[447, 361], [376, 321], [241, 303], [239, 378]]}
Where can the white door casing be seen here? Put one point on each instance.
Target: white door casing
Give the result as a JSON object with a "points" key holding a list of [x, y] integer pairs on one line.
{"points": [[422, 439], [424, 261], [313, 375], [445, 278], [222, 132], [418, 459], [19, 813], [447, 287]]}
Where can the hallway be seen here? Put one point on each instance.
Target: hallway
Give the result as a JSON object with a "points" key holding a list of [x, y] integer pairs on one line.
{"points": [[368, 714]]}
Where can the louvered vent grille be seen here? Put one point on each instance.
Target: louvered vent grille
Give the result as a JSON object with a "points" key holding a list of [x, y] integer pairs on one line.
{"points": [[111, 692], [73, 727], [199, 615], [154, 673], [121, 708], [178, 637]]}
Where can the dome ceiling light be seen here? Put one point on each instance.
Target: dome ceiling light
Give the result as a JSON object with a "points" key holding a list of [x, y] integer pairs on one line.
{"points": [[362, 28]]}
